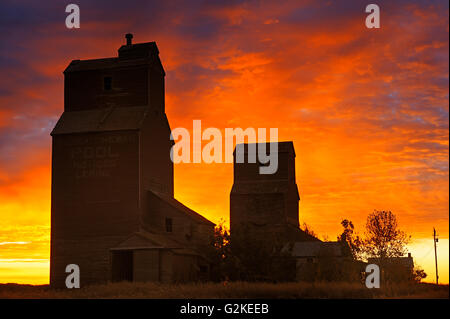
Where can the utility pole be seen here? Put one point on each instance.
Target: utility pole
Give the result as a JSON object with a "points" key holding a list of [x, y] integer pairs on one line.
{"points": [[435, 240]]}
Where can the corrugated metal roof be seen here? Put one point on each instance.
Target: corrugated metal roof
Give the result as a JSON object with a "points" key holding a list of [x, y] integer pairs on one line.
{"points": [[100, 120]]}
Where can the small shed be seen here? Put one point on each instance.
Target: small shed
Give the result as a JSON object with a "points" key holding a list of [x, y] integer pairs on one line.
{"points": [[317, 260], [146, 256], [310, 251], [395, 269]]}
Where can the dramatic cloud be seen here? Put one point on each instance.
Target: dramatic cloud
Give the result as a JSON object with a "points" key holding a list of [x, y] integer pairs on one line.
{"points": [[367, 109]]}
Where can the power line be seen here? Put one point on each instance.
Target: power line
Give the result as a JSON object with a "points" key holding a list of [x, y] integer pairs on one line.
{"points": [[422, 258]]}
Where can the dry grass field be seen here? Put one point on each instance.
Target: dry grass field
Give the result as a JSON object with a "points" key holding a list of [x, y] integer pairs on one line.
{"points": [[228, 291]]}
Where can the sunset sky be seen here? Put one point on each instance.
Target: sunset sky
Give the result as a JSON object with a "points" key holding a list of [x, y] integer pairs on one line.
{"points": [[367, 109]]}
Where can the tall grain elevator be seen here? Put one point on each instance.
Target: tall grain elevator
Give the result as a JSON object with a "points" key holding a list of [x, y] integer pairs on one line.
{"points": [[112, 176], [265, 206]]}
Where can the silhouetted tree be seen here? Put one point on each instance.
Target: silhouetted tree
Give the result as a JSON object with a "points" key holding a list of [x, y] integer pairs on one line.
{"points": [[307, 229], [383, 239], [351, 241], [244, 256], [385, 242], [260, 257], [418, 274], [220, 254]]}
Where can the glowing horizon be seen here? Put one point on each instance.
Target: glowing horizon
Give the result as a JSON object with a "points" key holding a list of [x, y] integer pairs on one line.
{"points": [[367, 110]]}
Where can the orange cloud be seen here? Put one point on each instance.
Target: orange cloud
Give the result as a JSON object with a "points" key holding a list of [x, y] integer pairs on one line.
{"points": [[367, 109]]}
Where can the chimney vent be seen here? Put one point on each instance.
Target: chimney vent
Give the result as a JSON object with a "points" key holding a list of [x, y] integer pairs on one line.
{"points": [[128, 36]]}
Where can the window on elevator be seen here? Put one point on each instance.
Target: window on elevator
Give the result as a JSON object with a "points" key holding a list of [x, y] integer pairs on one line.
{"points": [[169, 225]]}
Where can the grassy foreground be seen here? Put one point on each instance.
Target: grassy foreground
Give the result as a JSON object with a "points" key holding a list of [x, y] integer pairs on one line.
{"points": [[228, 290]]}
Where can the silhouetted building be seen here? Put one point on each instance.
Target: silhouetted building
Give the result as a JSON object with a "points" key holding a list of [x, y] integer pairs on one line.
{"points": [[264, 208], [266, 204], [331, 261], [113, 210], [395, 269]]}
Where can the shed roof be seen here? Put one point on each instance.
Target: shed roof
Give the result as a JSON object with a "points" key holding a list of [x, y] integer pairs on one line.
{"points": [[146, 239], [182, 208], [404, 261], [143, 240], [317, 249]]}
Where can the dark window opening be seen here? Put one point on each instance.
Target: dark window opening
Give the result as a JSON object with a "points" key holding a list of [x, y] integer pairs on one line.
{"points": [[122, 266], [169, 225], [203, 268], [107, 83]]}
